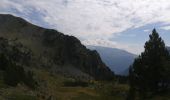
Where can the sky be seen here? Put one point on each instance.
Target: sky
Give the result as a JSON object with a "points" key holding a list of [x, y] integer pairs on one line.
{"points": [[123, 24]]}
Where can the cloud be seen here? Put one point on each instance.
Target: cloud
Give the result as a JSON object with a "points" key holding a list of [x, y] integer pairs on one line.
{"points": [[90, 19], [165, 28], [100, 42], [133, 48], [146, 30], [87, 18]]}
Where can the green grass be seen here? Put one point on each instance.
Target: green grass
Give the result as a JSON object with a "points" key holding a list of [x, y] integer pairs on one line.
{"points": [[83, 96], [2, 85], [53, 86], [21, 97]]}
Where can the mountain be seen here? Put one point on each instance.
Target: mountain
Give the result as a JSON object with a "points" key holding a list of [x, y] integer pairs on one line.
{"points": [[118, 60], [53, 50], [168, 48]]}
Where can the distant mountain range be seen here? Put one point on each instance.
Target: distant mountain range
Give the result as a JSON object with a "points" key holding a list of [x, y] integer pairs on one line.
{"points": [[118, 60], [168, 48]]}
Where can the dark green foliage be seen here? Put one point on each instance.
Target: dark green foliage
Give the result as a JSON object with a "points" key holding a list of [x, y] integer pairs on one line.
{"points": [[3, 62], [11, 60], [16, 96], [13, 74], [29, 80], [121, 79], [15, 51], [150, 71], [131, 94], [76, 83]]}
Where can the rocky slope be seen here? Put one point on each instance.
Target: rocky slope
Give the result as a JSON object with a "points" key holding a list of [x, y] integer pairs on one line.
{"points": [[52, 49]]}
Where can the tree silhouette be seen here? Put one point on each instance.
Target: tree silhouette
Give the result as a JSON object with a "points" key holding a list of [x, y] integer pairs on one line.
{"points": [[149, 72]]}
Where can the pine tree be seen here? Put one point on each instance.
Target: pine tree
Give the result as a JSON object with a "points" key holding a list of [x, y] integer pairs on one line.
{"points": [[149, 72]]}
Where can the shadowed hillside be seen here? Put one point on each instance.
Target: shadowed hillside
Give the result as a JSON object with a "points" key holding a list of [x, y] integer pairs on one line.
{"points": [[54, 50]]}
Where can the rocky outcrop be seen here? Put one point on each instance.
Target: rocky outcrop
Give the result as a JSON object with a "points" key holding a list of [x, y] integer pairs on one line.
{"points": [[58, 49]]}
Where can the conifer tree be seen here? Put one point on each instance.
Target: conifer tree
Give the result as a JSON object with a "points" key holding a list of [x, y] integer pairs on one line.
{"points": [[149, 72]]}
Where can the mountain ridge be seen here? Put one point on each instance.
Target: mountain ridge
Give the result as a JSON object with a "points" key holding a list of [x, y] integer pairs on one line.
{"points": [[52, 48]]}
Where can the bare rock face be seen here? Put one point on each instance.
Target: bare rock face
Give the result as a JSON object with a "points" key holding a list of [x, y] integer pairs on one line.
{"points": [[56, 48]]}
